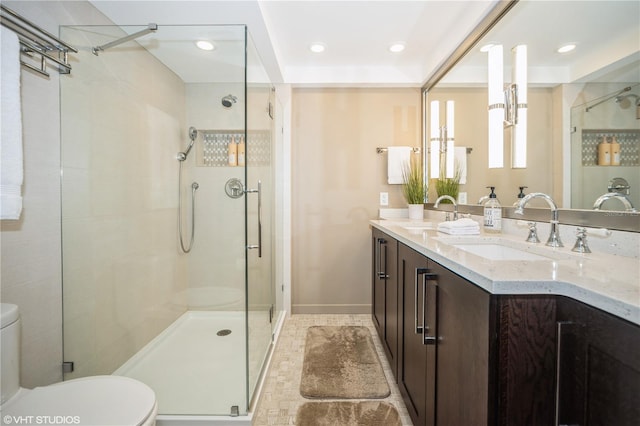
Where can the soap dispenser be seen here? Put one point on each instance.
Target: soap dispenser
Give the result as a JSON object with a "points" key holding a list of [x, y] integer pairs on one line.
{"points": [[492, 213], [521, 195]]}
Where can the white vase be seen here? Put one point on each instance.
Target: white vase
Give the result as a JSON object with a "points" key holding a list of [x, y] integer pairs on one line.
{"points": [[416, 211]]}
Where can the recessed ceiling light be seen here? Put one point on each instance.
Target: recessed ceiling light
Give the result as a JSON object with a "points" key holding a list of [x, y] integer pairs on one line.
{"points": [[566, 48], [317, 47], [205, 45], [396, 47]]}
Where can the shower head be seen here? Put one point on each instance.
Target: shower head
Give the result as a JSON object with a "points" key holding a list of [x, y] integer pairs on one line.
{"points": [[193, 134], [228, 101], [625, 102]]}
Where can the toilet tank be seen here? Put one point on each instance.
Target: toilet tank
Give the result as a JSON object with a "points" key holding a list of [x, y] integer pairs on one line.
{"points": [[10, 348]]}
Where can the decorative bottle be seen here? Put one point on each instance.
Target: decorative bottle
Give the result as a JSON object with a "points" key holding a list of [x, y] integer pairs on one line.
{"points": [[233, 152], [615, 152], [604, 152], [241, 156], [492, 213]]}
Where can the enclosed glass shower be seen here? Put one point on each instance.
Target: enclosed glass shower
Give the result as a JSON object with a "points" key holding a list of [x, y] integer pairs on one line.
{"points": [[168, 213]]}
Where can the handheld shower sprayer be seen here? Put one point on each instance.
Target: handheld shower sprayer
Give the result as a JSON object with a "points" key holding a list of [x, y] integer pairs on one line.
{"points": [[193, 134]]}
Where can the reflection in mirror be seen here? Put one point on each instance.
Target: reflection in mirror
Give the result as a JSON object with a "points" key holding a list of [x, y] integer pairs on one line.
{"points": [[605, 144], [471, 132], [561, 86]]}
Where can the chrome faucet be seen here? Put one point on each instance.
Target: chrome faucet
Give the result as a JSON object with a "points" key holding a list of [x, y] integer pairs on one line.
{"points": [[450, 198], [554, 236], [483, 200], [622, 197]]}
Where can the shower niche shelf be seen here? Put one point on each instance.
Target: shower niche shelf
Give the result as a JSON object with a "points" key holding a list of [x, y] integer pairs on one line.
{"points": [[213, 147], [629, 140]]}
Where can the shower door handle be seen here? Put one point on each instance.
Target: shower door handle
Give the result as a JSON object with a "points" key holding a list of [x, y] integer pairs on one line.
{"points": [[259, 245]]}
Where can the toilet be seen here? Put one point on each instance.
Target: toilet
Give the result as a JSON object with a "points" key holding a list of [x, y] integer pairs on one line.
{"points": [[96, 400]]}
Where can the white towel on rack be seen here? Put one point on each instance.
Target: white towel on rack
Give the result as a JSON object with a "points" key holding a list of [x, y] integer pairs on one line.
{"points": [[11, 171], [398, 158], [460, 158]]}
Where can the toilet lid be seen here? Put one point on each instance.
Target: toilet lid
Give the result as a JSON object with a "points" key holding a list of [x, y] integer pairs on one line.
{"points": [[97, 400]]}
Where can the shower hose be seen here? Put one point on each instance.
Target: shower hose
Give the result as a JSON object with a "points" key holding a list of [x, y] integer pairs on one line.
{"points": [[194, 188]]}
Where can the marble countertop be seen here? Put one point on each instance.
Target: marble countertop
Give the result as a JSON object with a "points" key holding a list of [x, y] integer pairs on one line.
{"points": [[608, 282]]}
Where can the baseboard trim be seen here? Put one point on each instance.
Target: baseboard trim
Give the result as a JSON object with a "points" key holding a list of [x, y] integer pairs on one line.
{"points": [[330, 309]]}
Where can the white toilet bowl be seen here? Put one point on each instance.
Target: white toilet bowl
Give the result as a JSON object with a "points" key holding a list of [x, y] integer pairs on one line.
{"points": [[96, 400]]}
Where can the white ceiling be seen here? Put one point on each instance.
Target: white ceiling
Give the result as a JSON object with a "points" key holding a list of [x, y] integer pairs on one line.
{"points": [[357, 34], [606, 32]]}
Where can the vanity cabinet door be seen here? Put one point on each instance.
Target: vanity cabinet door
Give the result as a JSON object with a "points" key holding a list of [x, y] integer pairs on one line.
{"points": [[378, 282], [416, 361], [598, 375], [445, 344], [385, 294], [526, 360], [463, 350]]}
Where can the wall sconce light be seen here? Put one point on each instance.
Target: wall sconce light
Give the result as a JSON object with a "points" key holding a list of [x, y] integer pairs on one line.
{"points": [[496, 107], [434, 141], [441, 146], [519, 106], [449, 141], [508, 107]]}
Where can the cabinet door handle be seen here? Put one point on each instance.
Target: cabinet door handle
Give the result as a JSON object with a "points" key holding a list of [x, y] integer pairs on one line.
{"points": [[379, 272], [418, 272], [426, 339], [559, 326]]}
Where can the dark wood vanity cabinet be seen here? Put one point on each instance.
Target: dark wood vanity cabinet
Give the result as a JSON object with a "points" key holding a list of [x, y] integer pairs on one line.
{"points": [[385, 294], [598, 367], [466, 357], [444, 344]]}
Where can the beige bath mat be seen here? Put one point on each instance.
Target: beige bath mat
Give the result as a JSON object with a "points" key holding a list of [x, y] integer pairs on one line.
{"points": [[341, 362], [344, 413]]}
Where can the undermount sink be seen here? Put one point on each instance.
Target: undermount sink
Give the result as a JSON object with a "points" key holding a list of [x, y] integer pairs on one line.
{"points": [[418, 226], [498, 252], [496, 248]]}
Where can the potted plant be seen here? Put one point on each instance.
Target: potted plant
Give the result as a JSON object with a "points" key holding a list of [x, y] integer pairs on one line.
{"points": [[448, 186], [413, 188]]}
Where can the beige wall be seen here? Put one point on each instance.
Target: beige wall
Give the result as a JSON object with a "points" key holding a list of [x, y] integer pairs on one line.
{"points": [[336, 180]]}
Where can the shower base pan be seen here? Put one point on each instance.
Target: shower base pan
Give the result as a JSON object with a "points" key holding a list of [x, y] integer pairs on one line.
{"points": [[197, 369]]}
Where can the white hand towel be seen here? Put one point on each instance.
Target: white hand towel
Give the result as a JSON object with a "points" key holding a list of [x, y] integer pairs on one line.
{"points": [[397, 159], [460, 158], [464, 226], [11, 172]]}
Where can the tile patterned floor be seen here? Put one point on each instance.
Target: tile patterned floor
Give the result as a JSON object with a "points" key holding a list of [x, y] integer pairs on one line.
{"points": [[281, 397]]}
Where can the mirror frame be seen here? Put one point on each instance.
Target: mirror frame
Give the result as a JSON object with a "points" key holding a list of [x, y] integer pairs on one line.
{"points": [[614, 220]]}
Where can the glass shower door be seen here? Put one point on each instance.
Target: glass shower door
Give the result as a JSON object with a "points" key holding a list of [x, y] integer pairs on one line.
{"points": [[260, 213]]}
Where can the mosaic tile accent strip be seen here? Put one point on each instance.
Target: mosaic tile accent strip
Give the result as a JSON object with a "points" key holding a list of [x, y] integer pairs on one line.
{"points": [[280, 397], [215, 147], [628, 139]]}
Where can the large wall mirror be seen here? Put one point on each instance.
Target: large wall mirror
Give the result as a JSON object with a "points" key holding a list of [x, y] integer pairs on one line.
{"points": [[575, 101]]}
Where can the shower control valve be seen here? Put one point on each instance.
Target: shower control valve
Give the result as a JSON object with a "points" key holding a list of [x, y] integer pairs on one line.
{"points": [[234, 188]]}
